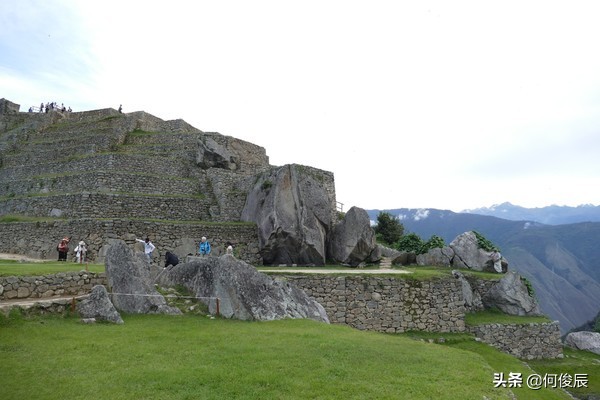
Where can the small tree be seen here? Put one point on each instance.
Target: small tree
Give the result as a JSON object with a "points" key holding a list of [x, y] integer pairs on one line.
{"points": [[388, 229]]}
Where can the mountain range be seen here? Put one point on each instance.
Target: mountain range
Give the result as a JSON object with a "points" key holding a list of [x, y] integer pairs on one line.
{"points": [[551, 215], [561, 261]]}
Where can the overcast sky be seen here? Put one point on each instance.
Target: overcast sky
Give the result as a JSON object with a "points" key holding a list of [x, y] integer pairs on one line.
{"points": [[441, 104]]}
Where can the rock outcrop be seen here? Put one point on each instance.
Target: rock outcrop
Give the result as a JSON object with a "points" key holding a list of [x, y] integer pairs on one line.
{"points": [[511, 296], [129, 277], [352, 240], [243, 292], [293, 212], [99, 307], [588, 341], [472, 299], [440, 257], [212, 154], [467, 254]]}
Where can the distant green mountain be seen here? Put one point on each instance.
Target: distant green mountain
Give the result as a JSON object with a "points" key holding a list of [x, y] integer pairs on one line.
{"points": [[561, 261]]}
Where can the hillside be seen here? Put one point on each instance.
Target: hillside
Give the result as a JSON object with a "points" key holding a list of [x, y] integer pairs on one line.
{"points": [[562, 262]]}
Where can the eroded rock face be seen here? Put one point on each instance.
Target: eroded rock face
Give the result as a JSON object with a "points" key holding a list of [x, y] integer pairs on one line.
{"points": [[472, 299], [244, 293], [352, 241], [130, 279], [292, 210], [511, 296], [99, 307], [589, 341]]}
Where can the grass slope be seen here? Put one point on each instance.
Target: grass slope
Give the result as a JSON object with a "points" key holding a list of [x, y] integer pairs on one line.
{"points": [[184, 357]]}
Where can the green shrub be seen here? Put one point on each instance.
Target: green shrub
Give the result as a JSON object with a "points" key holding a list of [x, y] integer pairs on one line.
{"points": [[411, 243], [484, 243]]}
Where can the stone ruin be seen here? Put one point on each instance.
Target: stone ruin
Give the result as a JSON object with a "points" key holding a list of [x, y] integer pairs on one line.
{"points": [[100, 175]]}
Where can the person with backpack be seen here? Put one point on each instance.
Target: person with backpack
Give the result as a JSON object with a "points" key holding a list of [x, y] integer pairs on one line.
{"points": [[63, 249], [204, 248]]}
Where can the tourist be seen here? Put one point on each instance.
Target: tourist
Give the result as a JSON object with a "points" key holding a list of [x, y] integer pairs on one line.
{"points": [[148, 247], [171, 259], [229, 250], [120, 108], [63, 249], [80, 252], [204, 248]]}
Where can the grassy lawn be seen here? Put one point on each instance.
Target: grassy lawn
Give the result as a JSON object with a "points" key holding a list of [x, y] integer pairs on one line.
{"points": [[498, 317], [16, 268], [185, 357]]}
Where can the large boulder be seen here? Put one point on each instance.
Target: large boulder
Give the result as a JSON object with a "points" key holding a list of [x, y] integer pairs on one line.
{"points": [[468, 254], [439, 257], [243, 292], [588, 341], [511, 296], [211, 154], [404, 258], [130, 279], [293, 212], [99, 306], [472, 299], [352, 240]]}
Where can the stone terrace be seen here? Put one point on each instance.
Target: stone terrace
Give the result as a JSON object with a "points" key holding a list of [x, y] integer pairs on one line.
{"points": [[106, 165]]}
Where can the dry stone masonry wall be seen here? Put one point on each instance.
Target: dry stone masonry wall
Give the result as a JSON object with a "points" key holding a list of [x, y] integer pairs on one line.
{"points": [[61, 284], [39, 239], [388, 304], [396, 305]]}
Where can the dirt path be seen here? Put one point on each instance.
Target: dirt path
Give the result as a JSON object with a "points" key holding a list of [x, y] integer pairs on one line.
{"points": [[7, 256]]}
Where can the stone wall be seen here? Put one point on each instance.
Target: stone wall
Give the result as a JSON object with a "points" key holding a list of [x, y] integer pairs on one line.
{"points": [[61, 284], [39, 239], [385, 304], [525, 341], [101, 181], [400, 304], [107, 205]]}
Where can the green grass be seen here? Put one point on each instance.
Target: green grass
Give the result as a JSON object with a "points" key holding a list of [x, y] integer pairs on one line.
{"points": [[504, 363], [16, 268], [185, 357], [498, 317], [575, 362]]}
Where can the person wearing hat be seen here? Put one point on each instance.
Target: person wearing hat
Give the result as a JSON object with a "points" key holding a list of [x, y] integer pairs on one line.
{"points": [[204, 248], [63, 249], [80, 252]]}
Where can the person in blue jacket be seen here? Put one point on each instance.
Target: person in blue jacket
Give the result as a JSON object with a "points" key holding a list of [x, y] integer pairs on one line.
{"points": [[204, 248]]}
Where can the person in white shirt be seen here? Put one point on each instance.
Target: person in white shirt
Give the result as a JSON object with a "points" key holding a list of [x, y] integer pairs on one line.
{"points": [[148, 247], [80, 252]]}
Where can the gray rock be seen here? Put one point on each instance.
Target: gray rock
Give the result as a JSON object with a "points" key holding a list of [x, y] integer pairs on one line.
{"points": [[293, 213], [212, 154], [467, 254], [588, 341], [405, 258], [439, 257], [98, 306], [243, 292], [510, 295], [130, 278], [472, 299], [55, 212], [352, 241], [388, 252]]}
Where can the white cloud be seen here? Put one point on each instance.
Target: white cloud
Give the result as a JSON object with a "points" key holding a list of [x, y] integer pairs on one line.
{"points": [[429, 104]]}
